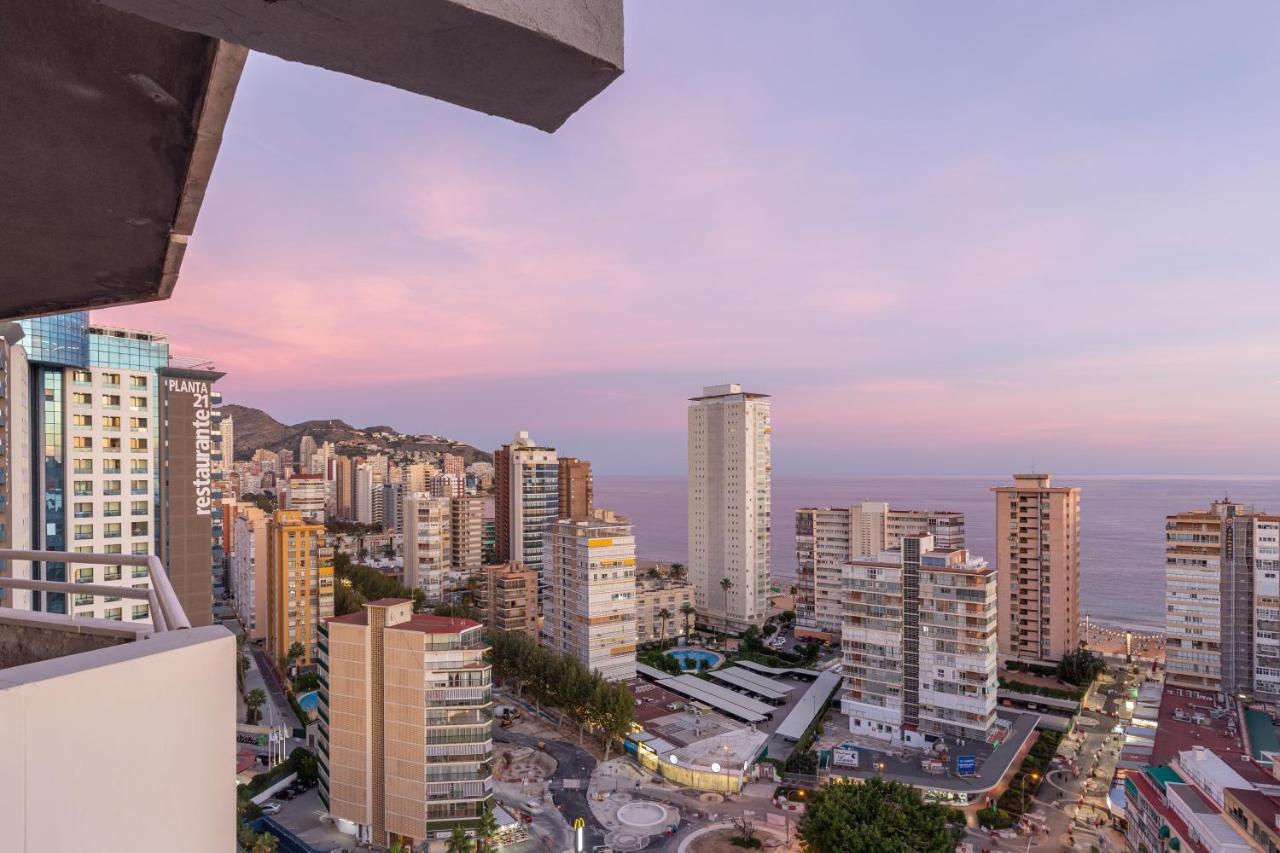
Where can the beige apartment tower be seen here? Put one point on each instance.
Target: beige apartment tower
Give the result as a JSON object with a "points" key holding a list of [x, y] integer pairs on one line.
{"points": [[466, 529], [1038, 566], [406, 724], [730, 467], [590, 607]]}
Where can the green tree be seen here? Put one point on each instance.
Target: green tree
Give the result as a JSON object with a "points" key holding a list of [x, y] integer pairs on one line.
{"points": [[877, 816], [256, 699], [678, 571], [304, 763], [458, 841], [614, 710], [265, 843], [296, 652], [1080, 667], [346, 600], [664, 616]]}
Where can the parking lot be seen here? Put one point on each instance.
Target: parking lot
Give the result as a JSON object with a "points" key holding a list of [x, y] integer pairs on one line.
{"points": [[305, 817]]}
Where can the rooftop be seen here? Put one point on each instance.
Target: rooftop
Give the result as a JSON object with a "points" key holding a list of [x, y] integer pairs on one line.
{"points": [[423, 622], [1174, 736]]}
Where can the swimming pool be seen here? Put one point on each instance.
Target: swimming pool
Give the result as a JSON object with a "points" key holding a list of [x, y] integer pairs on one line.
{"points": [[704, 659], [309, 701]]}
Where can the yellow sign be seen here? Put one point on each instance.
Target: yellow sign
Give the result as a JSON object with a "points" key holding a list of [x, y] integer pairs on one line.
{"points": [[599, 543], [578, 823]]}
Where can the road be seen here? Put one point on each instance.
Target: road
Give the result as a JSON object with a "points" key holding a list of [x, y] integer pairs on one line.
{"points": [[262, 675], [572, 763]]}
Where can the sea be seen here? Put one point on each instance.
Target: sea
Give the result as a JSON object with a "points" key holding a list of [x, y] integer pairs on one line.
{"points": [[1121, 523]]}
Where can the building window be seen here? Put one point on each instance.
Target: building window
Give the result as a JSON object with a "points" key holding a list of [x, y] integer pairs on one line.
{"points": [[138, 508], [111, 466], [82, 399], [137, 466], [138, 383], [111, 379], [111, 573], [109, 531], [138, 528], [111, 509], [111, 487], [111, 422], [138, 487], [137, 444], [82, 442], [113, 613], [84, 531], [111, 401], [81, 377], [84, 574], [111, 445], [138, 404], [83, 466]]}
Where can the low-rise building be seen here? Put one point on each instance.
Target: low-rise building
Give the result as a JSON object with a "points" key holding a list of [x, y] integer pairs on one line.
{"points": [[507, 598], [653, 596]]}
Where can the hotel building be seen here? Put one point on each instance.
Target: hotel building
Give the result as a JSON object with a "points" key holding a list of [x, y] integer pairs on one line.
{"points": [[1222, 600], [1038, 562], [299, 584], [919, 639], [829, 537], [590, 607], [526, 502], [507, 598], [249, 568], [126, 445], [729, 505], [653, 595], [406, 723], [576, 488]]}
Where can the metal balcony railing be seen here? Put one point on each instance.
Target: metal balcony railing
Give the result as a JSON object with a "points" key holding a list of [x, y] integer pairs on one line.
{"points": [[166, 612]]}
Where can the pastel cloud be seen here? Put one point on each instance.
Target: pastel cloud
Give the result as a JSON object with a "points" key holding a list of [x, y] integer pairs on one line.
{"points": [[944, 243]]}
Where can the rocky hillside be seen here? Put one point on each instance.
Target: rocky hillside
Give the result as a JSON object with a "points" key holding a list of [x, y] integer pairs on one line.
{"points": [[256, 429]]}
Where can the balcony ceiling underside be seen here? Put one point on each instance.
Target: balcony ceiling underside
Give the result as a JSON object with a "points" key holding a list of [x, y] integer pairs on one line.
{"points": [[111, 111]]}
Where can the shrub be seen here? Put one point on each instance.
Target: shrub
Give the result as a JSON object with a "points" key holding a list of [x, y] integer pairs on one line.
{"points": [[749, 843], [998, 819]]}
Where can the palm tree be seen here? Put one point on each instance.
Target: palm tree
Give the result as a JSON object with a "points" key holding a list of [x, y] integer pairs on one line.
{"points": [[296, 652], [678, 570], [726, 584], [688, 611], [256, 699], [664, 615], [487, 828], [458, 841], [265, 843]]}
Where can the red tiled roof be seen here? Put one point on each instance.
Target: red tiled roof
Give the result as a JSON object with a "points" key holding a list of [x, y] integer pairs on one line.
{"points": [[1265, 809]]}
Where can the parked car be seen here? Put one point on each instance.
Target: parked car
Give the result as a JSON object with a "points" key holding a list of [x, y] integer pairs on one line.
{"points": [[271, 808], [533, 806]]}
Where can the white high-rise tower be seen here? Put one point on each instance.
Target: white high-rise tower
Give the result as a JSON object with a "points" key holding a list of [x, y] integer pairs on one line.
{"points": [[729, 502]]}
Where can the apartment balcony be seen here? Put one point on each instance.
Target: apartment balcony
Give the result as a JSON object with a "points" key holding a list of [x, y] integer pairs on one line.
{"points": [[87, 703]]}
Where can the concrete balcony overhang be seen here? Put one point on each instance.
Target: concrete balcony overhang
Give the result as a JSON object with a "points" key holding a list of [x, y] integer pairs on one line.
{"points": [[115, 110]]}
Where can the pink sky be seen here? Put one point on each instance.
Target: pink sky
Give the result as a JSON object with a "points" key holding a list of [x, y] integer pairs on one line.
{"points": [[946, 241]]}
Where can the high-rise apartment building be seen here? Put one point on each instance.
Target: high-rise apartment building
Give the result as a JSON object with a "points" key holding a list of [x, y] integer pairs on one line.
{"points": [[249, 569], [1038, 563], [299, 584], [393, 507], [306, 494], [526, 502], [345, 487], [729, 505], [406, 727], [576, 488], [466, 532], [228, 427], [452, 463], [919, 640], [428, 547], [364, 493], [124, 449], [590, 608], [829, 537], [448, 485], [507, 598], [1222, 600], [307, 448]]}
